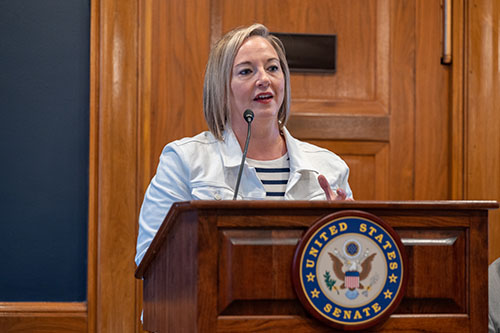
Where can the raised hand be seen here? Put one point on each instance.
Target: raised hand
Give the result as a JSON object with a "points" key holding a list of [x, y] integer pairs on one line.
{"points": [[340, 194]]}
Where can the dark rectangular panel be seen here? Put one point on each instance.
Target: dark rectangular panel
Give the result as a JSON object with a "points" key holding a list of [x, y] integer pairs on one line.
{"points": [[310, 52]]}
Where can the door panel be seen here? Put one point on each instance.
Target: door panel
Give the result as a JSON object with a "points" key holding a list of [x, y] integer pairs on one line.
{"points": [[368, 164]]}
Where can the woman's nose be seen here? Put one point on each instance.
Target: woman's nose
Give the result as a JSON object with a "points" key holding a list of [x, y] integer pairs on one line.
{"points": [[263, 79]]}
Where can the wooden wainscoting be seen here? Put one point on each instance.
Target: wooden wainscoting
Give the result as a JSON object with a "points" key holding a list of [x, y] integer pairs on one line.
{"points": [[147, 63]]}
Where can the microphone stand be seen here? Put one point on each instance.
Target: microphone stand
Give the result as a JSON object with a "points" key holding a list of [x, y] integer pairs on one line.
{"points": [[248, 115]]}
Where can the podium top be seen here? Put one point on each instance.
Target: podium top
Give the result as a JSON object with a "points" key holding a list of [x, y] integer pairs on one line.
{"points": [[249, 207], [284, 204]]}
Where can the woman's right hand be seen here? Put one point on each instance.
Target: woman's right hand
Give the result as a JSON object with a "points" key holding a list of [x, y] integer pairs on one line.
{"points": [[339, 194]]}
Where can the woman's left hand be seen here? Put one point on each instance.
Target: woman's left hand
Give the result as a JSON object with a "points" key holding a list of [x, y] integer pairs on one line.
{"points": [[330, 195]]}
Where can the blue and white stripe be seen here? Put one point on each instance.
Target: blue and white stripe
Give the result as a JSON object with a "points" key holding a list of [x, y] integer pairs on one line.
{"points": [[273, 175]]}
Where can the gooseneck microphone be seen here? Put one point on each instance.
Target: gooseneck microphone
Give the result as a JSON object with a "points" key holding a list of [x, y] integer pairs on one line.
{"points": [[248, 116]]}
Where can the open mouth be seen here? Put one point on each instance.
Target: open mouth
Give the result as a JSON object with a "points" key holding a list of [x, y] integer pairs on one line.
{"points": [[263, 97]]}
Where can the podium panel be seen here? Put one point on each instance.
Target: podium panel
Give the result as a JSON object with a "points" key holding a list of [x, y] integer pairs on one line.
{"points": [[226, 266]]}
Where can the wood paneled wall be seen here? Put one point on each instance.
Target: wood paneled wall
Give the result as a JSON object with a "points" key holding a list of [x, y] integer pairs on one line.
{"points": [[482, 110], [130, 54], [124, 40]]}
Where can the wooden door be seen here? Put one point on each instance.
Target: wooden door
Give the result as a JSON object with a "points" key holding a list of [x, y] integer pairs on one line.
{"points": [[386, 110]]}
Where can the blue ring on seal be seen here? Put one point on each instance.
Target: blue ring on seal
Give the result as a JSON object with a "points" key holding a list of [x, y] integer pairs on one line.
{"points": [[377, 306]]}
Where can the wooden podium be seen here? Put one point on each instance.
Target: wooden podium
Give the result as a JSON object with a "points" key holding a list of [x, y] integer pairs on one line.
{"points": [[226, 266]]}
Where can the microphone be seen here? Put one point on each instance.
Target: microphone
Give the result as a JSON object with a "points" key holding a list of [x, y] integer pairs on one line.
{"points": [[248, 116]]}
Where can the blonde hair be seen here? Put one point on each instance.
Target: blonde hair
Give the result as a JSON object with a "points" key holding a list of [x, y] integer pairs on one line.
{"points": [[216, 88]]}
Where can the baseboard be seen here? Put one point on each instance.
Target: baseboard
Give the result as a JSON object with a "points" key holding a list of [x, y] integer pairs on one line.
{"points": [[33, 317]]}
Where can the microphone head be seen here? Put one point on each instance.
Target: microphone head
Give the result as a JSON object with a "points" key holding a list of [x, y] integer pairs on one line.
{"points": [[248, 115]]}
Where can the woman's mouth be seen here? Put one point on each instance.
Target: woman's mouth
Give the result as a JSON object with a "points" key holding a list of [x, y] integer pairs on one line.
{"points": [[263, 98]]}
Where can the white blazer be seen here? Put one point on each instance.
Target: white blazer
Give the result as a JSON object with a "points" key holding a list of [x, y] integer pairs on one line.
{"points": [[204, 168]]}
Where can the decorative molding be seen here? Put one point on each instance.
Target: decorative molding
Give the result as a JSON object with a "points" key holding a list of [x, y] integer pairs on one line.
{"points": [[340, 127], [43, 316], [113, 166], [43, 307]]}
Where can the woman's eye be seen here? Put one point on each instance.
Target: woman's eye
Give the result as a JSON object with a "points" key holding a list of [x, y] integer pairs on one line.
{"points": [[273, 68], [244, 71]]}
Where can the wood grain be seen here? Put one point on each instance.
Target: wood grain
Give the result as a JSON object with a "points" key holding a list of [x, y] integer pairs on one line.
{"points": [[339, 127], [402, 157], [93, 236], [173, 300], [397, 323], [255, 242], [113, 183], [368, 166], [43, 317], [458, 107], [482, 118], [394, 74], [175, 39], [432, 106]]}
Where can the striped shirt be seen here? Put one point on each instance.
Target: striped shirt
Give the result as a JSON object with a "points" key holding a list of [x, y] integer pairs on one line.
{"points": [[273, 175]]}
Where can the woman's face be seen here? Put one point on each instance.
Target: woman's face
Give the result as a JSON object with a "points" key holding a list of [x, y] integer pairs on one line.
{"points": [[257, 81]]}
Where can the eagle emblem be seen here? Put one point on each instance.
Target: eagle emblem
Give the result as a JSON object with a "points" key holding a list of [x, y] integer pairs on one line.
{"points": [[351, 268]]}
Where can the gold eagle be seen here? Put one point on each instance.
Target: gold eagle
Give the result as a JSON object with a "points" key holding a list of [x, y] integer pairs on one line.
{"points": [[366, 267]]}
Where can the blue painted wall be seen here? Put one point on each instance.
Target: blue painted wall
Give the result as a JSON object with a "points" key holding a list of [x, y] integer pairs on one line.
{"points": [[44, 145]]}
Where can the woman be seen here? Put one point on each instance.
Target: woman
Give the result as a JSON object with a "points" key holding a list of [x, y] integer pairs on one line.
{"points": [[247, 69]]}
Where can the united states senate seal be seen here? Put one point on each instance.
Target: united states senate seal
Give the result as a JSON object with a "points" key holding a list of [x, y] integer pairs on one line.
{"points": [[349, 270]]}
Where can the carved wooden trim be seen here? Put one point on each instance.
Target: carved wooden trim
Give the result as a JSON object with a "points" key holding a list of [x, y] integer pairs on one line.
{"points": [[113, 166], [335, 127], [93, 166], [54, 308], [457, 102], [47, 316]]}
